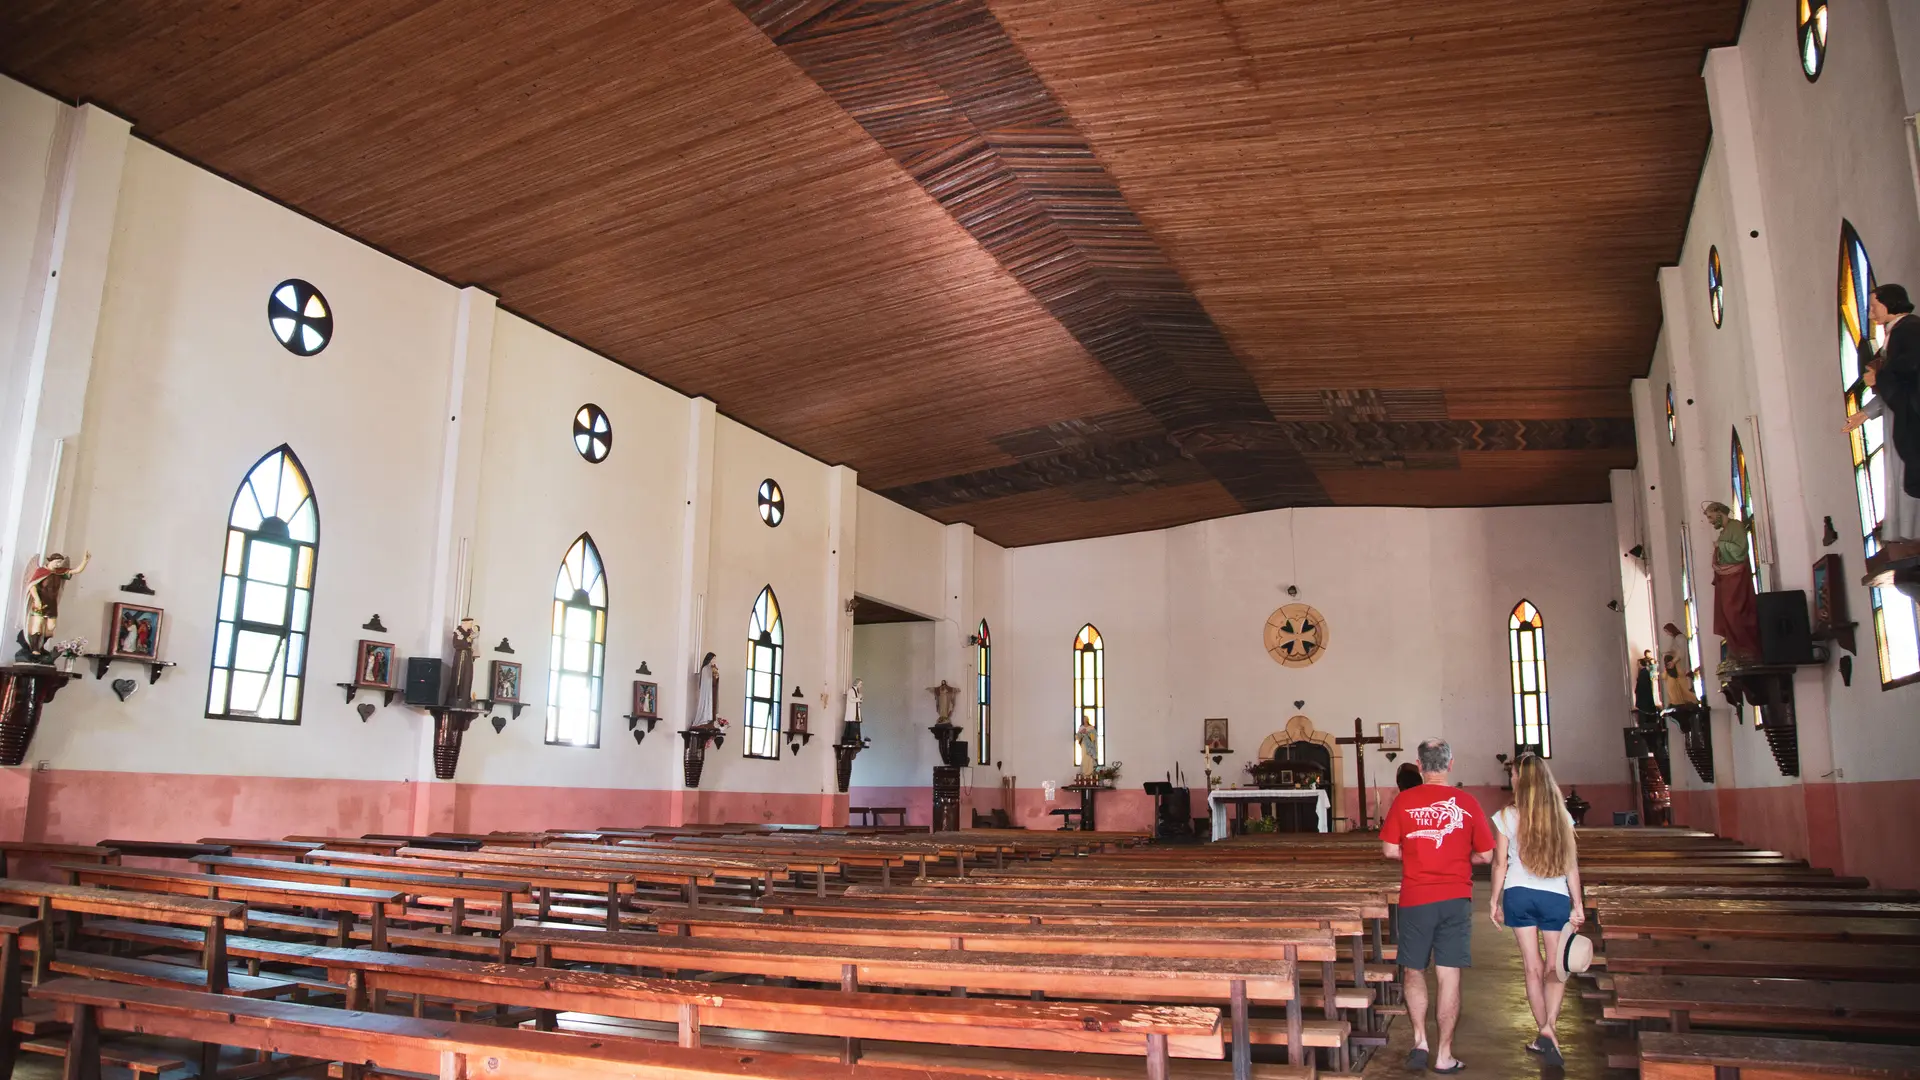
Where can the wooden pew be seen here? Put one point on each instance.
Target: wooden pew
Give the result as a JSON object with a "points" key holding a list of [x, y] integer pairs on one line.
{"points": [[1109, 978], [540, 879], [163, 849], [456, 890], [373, 905], [15, 934], [352, 843], [290, 849], [1690, 925], [396, 1044], [1768, 1004], [1669, 1056], [690, 879], [1766, 959], [54, 852], [213, 917]]}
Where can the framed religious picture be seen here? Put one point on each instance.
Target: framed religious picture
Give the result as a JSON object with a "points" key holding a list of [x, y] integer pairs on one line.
{"points": [[1390, 736], [505, 683], [646, 698], [796, 719], [134, 632], [1213, 735], [1286, 778], [374, 665], [1830, 622]]}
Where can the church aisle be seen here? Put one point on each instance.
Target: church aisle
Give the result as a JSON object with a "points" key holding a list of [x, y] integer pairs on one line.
{"points": [[1495, 1024]]}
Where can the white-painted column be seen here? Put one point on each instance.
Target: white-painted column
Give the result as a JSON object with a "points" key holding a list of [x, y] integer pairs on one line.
{"points": [[953, 657], [61, 316], [1659, 528], [843, 531], [1681, 497], [1636, 588], [677, 674], [1786, 521], [456, 539]]}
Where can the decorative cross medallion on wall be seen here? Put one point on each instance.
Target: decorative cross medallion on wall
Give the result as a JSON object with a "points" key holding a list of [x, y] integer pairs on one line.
{"points": [[1296, 635]]}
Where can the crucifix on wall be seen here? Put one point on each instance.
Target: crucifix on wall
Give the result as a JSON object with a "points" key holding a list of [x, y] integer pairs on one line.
{"points": [[1360, 742]]}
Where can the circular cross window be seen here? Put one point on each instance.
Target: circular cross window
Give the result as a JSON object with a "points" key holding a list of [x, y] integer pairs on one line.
{"points": [[773, 505], [1295, 635], [592, 433], [300, 317]]}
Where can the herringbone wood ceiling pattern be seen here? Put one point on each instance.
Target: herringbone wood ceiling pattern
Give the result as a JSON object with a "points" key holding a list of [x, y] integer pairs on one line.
{"points": [[1058, 268]]}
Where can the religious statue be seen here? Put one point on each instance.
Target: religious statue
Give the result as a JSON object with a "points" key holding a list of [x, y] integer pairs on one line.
{"points": [[465, 636], [1894, 376], [850, 722], [943, 699], [1089, 741], [706, 677], [1677, 683], [44, 583], [1736, 616]]}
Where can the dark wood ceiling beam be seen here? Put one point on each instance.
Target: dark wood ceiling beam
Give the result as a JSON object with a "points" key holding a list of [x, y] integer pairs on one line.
{"points": [[940, 86]]}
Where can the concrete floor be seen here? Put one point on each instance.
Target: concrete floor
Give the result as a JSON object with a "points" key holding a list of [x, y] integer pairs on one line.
{"points": [[1495, 1024]]}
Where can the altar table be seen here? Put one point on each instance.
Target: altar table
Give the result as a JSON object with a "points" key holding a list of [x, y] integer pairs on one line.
{"points": [[1247, 795]]}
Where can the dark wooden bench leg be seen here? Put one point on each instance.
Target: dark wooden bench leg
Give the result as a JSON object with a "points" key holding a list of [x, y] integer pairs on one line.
{"points": [[43, 941], [10, 1000], [83, 1046], [849, 982], [1296, 1025], [1330, 988], [1156, 1057], [1242, 1038]]}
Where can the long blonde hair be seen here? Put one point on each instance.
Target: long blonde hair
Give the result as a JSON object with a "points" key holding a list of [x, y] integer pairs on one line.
{"points": [[1545, 841]]}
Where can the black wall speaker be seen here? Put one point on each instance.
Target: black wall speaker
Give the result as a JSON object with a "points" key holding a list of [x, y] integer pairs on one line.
{"points": [[957, 753], [1636, 743], [423, 681], [1786, 636]]}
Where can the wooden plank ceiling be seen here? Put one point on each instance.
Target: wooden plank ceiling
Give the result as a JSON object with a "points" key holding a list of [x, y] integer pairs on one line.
{"points": [[1058, 268]]}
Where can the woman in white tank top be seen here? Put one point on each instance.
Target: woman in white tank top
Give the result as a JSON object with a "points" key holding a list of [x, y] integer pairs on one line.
{"points": [[1536, 888]]}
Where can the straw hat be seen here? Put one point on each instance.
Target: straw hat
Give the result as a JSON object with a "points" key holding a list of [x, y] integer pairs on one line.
{"points": [[1574, 955]]}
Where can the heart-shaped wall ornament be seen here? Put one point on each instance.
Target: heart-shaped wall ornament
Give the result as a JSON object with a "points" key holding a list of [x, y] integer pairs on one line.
{"points": [[499, 724], [639, 737], [365, 709], [125, 687], [1300, 704]]}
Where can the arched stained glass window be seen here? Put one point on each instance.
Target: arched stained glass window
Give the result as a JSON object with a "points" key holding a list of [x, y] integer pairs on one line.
{"points": [[1813, 37], [1743, 504], [1090, 690], [1691, 609], [1716, 288], [1896, 620], [983, 675], [766, 647], [578, 662], [1527, 649], [266, 594], [1673, 427]]}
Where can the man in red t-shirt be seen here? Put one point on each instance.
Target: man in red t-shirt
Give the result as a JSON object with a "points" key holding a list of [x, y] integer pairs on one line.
{"points": [[1437, 832]]}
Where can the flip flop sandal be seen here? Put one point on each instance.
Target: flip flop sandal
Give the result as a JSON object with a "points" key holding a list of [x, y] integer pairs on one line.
{"points": [[1457, 1066], [1417, 1059], [1537, 1046], [1552, 1053]]}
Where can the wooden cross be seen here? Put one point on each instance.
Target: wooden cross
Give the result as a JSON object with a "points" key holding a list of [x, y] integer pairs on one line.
{"points": [[1360, 742]]}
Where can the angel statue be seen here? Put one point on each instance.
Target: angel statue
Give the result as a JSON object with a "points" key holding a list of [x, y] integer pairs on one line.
{"points": [[44, 583]]}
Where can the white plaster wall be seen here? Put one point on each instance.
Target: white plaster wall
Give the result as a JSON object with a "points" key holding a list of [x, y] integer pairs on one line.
{"points": [[1829, 150], [1416, 600], [28, 123], [895, 662], [188, 390], [748, 555], [537, 496], [898, 561]]}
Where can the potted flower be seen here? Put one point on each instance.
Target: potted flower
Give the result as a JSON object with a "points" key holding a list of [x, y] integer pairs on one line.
{"points": [[65, 653]]}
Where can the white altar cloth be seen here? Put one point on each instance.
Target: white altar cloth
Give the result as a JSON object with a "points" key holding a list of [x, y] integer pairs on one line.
{"points": [[1220, 795]]}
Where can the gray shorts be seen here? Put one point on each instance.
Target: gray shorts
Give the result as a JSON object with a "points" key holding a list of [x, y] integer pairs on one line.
{"points": [[1440, 933]]}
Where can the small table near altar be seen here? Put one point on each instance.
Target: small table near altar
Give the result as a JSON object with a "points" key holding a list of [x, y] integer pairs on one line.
{"points": [[1253, 795], [1088, 790]]}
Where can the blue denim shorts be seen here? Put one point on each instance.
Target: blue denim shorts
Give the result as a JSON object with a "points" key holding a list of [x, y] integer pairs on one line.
{"points": [[1535, 907]]}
